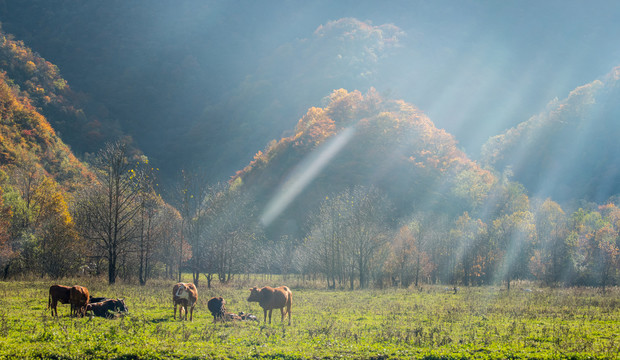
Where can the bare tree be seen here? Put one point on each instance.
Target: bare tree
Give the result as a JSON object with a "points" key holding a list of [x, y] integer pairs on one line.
{"points": [[229, 229], [168, 232], [366, 228], [193, 191], [348, 235], [107, 211]]}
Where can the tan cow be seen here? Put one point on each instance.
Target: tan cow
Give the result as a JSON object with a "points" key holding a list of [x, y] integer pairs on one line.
{"points": [[78, 297], [269, 298], [58, 293], [185, 295]]}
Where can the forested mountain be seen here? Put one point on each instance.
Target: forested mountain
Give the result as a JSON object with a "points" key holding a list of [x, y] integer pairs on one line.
{"points": [[38, 174], [569, 151], [204, 83], [80, 121], [387, 144], [28, 141]]}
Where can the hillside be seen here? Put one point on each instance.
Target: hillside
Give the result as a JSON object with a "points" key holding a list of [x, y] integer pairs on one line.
{"points": [[85, 124], [387, 144], [28, 140], [38, 175], [569, 151]]}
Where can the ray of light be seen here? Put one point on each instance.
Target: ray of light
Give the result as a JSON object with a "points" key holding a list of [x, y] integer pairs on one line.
{"points": [[303, 174]]}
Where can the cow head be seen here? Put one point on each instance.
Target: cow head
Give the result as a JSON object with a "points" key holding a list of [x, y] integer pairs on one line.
{"points": [[254, 294], [121, 306], [182, 292]]}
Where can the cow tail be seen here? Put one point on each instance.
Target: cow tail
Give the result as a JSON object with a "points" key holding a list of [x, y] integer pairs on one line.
{"points": [[289, 301]]}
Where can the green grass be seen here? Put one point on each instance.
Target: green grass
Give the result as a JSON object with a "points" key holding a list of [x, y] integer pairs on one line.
{"points": [[480, 322]]}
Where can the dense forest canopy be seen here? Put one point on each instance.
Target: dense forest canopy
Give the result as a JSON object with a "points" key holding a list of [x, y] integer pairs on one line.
{"points": [[354, 183]]}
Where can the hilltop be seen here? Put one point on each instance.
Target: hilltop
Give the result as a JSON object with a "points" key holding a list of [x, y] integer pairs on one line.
{"points": [[387, 144]]}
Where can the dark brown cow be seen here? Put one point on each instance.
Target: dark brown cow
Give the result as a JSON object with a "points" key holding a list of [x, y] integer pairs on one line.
{"points": [[58, 293], [103, 308], [217, 308], [185, 295], [269, 298], [78, 297], [93, 300]]}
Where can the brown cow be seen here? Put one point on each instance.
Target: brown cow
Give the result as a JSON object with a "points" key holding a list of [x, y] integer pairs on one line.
{"points": [[184, 294], [217, 308], [269, 298], [57, 293], [78, 297]]}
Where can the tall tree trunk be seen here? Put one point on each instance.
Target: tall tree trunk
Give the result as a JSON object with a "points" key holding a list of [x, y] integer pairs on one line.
{"points": [[112, 269], [417, 270]]}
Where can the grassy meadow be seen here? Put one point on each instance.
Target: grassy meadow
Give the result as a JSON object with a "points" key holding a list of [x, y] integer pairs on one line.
{"points": [[477, 322]]}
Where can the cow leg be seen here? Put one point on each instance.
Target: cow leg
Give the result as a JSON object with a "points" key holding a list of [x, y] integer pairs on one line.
{"points": [[175, 311], [191, 314], [265, 316], [282, 313], [270, 311]]}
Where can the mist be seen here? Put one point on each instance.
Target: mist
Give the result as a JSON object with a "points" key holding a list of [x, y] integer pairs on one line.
{"points": [[209, 83]]}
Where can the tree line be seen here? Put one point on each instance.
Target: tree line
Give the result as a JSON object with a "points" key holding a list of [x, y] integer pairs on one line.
{"points": [[118, 226]]}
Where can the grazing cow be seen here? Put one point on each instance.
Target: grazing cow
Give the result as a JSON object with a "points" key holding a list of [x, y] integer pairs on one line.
{"points": [[58, 293], [269, 298], [103, 308], [78, 297], [217, 308], [185, 295]]}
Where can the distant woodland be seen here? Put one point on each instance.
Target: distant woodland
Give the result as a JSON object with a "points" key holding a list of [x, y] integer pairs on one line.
{"points": [[388, 198]]}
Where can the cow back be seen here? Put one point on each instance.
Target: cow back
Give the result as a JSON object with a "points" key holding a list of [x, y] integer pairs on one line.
{"points": [[60, 293], [273, 298]]}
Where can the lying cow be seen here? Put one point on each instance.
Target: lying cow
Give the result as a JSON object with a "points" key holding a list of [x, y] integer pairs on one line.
{"points": [[269, 298], [78, 297], [58, 293], [93, 300], [185, 295], [217, 308], [103, 308]]}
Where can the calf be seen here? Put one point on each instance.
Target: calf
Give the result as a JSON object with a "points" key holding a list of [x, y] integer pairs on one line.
{"points": [[247, 317], [185, 295], [78, 297], [217, 308], [103, 308], [58, 293], [269, 298]]}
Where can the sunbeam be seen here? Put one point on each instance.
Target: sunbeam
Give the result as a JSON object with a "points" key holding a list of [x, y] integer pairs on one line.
{"points": [[303, 174]]}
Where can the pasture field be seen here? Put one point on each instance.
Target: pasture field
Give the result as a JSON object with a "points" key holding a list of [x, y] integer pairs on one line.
{"points": [[431, 323]]}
